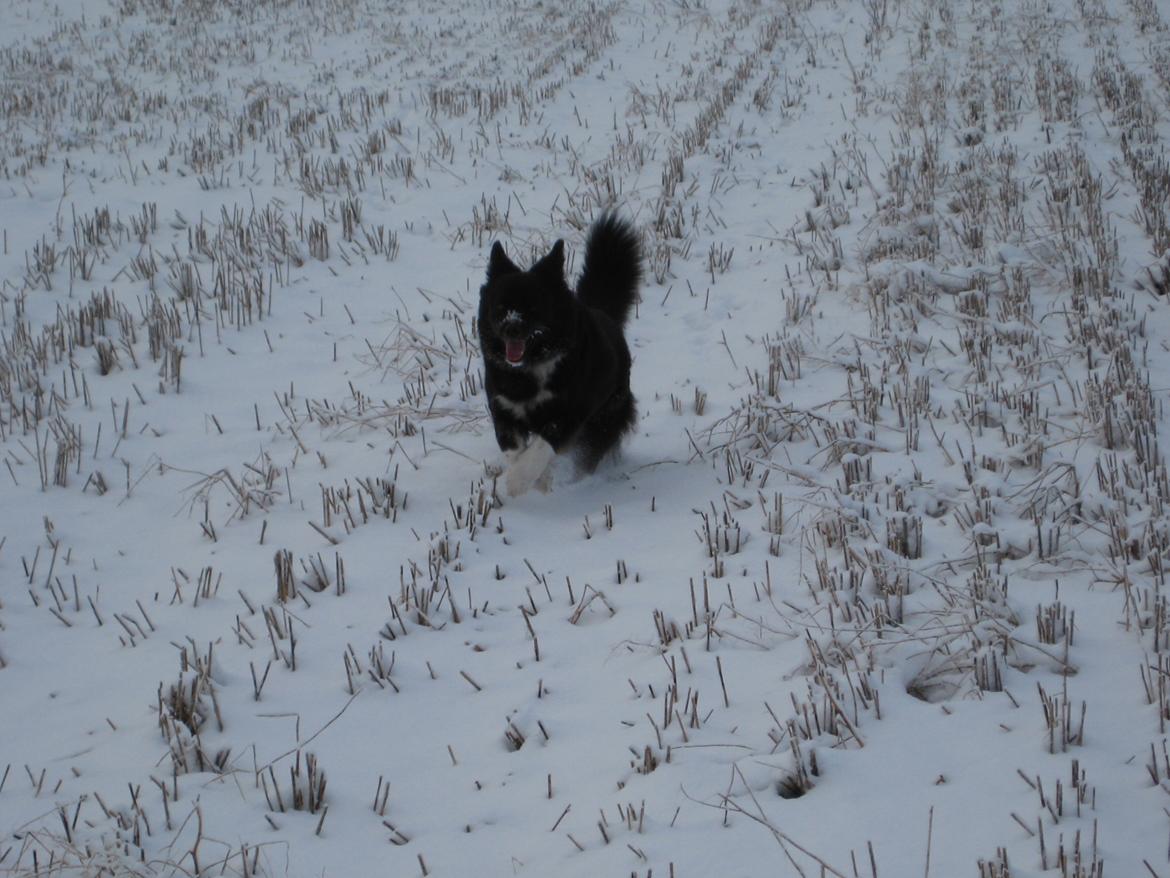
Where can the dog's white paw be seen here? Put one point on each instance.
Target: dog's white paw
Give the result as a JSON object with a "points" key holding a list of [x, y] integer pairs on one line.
{"points": [[528, 468]]}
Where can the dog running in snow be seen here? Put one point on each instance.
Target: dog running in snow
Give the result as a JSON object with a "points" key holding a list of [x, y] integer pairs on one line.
{"points": [[556, 364]]}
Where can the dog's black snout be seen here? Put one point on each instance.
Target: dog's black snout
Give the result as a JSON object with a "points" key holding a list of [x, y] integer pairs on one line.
{"points": [[511, 318]]}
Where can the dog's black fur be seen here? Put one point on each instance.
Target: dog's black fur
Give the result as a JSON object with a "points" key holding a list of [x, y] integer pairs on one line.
{"points": [[556, 365]]}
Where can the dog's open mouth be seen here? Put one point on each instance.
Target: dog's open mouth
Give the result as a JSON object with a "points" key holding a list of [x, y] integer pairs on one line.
{"points": [[514, 351]]}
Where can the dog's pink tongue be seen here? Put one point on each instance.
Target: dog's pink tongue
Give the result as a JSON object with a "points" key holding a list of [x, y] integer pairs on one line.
{"points": [[514, 351]]}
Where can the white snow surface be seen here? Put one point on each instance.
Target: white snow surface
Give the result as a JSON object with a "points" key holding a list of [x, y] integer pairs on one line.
{"points": [[890, 533]]}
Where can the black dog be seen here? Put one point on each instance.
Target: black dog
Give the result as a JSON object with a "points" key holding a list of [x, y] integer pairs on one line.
{"points": [[556, 365]]}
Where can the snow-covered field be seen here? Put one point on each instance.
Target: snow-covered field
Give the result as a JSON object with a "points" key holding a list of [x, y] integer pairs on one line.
{"points": [[875, 588]]}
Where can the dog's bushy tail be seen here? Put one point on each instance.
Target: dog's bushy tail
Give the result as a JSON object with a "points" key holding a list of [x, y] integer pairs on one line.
{"points": [[613, 268]]}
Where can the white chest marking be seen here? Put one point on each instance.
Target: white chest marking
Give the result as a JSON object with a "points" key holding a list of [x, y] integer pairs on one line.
{"points": [[541, 372]]}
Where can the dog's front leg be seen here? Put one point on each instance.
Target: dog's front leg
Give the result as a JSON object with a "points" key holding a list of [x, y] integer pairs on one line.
{"points": [[528, 467], [509, 431]]}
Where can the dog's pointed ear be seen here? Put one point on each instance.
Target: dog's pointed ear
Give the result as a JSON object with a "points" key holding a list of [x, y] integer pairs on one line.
{"points": [[498, 263], [553, 263]]}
